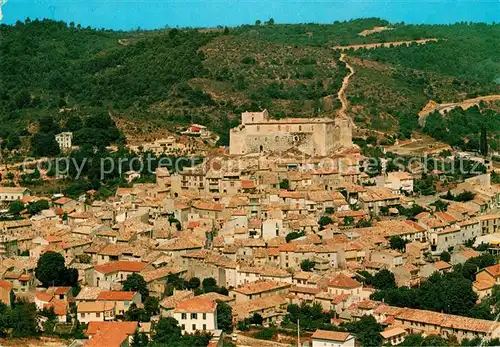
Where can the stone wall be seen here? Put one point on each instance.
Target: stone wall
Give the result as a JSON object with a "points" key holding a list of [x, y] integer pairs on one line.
{"points": [[314, 136]]}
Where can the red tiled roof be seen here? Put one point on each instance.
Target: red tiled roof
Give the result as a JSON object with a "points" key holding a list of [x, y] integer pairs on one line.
{"points": [[109, 334], [116, 295], [62, 290], [247, 184], [441, 265], [5, 284], [193, 224], [196, 304], [343, 281], [44, 296], [25, 277], [331, 335], [494, 270], [60, 307], [121, 265], [127, 327], [62, 201]]}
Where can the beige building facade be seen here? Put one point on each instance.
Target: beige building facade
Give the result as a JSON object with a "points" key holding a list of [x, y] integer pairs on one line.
{"points": [[257, 133]]}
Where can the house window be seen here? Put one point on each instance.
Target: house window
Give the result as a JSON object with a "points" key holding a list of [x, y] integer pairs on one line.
{"points": [[98, 314], [204, 327], [183, 316], [194, 326], [194, 315], [183, 327], [204, 316], [82, 315]]}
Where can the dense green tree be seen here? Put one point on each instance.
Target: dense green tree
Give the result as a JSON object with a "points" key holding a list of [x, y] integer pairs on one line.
{"points": [[139, 339], [224, 317], [52, 271], [24, 320], [450, 293], [440, 205], [137, 314], [167, 330], [47, 124], [384, 279], [348, 220], [311, 317], [482, 311], [16, 207], [366, 330], [5, 313], [445, 256], [209, 284], [471, 342], [434, 340], [363, 223], [284, 184], [324, 221], [307, 265], [194, 282], [44, 145], [152, 305], [37, 206], [74, 123], [256, 319], [136, 283], [412, 340], [293, 235], [13, 141], [398, 243]]}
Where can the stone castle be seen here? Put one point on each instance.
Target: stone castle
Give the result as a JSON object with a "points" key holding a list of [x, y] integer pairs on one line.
{"points": [[257, 133]]}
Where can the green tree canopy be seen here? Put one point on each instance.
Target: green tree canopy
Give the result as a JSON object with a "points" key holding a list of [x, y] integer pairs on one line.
{"points": [[384, 279], [137, 314], [16, 207], [224, 317], [136, 283], [307, 265], [445, 256], [366, 330], [52, 271], [398, 243]]}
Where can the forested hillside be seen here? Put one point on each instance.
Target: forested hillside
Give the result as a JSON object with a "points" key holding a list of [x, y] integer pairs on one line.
{"points": [[165, 78]]}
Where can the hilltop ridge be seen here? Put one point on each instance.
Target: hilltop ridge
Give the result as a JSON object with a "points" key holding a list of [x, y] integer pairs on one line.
{"points": [[161, 79]]}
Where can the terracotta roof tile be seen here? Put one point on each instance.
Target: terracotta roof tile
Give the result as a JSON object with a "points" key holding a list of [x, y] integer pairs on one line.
{"points": [[5, 284], [331, 335], [343, 281], [111, 295], [196, 304], [121, 265], [97, 306], [260, 287]]}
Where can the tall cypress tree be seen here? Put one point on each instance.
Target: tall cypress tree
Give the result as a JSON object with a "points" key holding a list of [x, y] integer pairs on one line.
{"points": [[483, 145]]}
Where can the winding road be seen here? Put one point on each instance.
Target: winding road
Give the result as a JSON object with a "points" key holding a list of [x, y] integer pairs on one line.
{"points": [[384, 44], [345, 83], [445, 107]]}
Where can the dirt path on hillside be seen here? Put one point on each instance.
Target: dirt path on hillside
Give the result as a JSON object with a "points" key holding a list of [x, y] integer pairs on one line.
{"points": [[345, 83], [384, 44], [444, 107], [374, 30]]}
